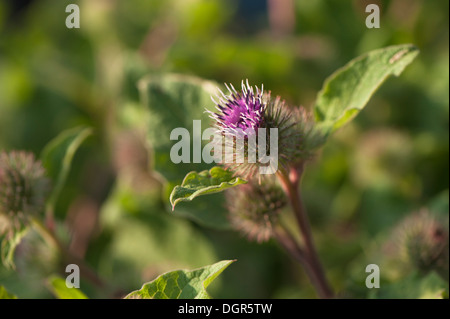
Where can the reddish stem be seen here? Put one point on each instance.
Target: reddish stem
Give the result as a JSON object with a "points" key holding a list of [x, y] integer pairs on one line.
{"points": [[312, 262]]}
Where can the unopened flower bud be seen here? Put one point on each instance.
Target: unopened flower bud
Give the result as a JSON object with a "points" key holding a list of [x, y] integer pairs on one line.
{"points": [[254, 208], [23, 186], [424, 241]]}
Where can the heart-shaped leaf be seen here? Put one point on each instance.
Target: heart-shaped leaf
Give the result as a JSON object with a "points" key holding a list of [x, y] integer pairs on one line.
{"points": [[181, 284]]}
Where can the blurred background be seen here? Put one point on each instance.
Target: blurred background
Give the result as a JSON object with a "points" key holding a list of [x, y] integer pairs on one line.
{"points": [[388, 163]]}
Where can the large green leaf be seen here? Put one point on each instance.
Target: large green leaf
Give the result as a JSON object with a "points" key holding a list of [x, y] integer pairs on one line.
{"points": [[57, 158], [195, 184], [181, 284], [59, 288], [171, 101], [174, 101], [347, 91]]}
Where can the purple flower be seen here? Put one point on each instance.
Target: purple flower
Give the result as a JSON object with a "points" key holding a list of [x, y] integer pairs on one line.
{"points": [[242, 114], [240, 110]]}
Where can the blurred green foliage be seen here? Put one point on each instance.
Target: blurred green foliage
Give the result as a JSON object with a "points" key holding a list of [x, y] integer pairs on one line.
{"points": [[391, 161]]}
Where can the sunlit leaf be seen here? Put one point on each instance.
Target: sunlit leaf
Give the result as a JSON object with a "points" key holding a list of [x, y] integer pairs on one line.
{"points": [[58, 287], [347, 91], [181, 284], [196, 184]]}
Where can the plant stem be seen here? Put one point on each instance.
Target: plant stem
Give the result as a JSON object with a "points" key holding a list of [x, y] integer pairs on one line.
{"points": [[292, 248], [312, 262], [68, 257], [290, 245]]}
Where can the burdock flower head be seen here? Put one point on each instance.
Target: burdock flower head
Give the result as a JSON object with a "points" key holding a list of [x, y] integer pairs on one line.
{"points": [[254, 208], [23, 187], [423, 241], [260, 134]]}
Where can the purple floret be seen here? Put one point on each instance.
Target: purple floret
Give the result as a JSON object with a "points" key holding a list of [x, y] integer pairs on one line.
{"points": [[239, 110]]}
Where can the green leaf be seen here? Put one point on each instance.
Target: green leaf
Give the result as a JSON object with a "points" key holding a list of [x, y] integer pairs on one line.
{"points": [[181, 284], [347, 91], [59, 288], [174, 101], [4, 294], [196, 184], [57, 158]]}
